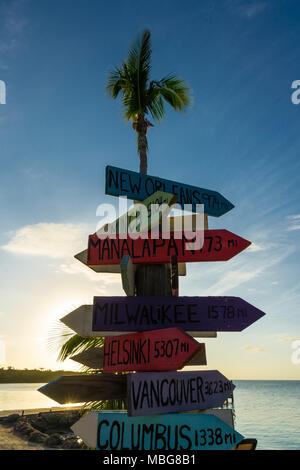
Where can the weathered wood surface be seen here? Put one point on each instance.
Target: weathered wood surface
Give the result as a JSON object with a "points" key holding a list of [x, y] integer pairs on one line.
{"points": [[158, 350], [114, 268], [171, 432], [173, 392], [212, 245], [121, 182], [174, 275], [93, 357], [81, 321], [85, 388]]}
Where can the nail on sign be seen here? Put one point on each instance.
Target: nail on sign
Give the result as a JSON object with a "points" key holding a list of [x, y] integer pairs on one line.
{"points": [[120, 182]]}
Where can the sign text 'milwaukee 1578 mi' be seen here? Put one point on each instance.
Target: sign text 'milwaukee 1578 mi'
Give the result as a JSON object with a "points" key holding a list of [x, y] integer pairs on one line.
{"points": [[120, 182], [189, 313]]}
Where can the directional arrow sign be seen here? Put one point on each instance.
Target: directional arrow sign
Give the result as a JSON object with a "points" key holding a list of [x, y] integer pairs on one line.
{"points": [[120, 182], [157, 206], [171, 432], [170, 392], [159, 350], [85, 324], [189, 313], [93, 357], [115, 268], [85, 388], [219, 245]]}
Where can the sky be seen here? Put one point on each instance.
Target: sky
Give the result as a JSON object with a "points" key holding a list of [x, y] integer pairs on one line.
{"points": [[59, 129]]}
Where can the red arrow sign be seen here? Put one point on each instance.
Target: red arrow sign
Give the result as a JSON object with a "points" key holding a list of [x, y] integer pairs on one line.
{"points": [[218, 245], [168, 349]]}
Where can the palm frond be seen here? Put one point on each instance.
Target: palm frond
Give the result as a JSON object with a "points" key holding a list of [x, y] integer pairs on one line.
{"points": [[139, 65], [174, 91], [77, 344]]}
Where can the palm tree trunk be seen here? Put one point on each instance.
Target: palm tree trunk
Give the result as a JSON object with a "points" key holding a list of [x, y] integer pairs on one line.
{"points": [[141, 129]]}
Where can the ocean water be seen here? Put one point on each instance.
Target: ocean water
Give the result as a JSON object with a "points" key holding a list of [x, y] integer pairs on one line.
{"points": [[269, 411], [266, 410], [23, 397]]}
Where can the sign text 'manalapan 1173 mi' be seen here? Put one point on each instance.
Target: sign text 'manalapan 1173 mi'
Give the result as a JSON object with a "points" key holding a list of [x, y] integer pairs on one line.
{"points": [[120, 182], [218, 245]]}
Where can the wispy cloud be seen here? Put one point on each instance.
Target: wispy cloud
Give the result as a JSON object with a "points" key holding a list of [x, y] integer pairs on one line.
{"points": [[48, 239], [287, 339], [294, 222], [251, 347], [248, 8]]}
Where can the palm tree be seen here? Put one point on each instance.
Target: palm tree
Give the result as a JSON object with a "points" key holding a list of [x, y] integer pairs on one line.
{"points": [[140, 96]]}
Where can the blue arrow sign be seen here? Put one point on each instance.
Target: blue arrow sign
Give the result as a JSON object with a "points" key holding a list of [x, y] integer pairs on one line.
{"points": [[120, 182], [116, 431]]}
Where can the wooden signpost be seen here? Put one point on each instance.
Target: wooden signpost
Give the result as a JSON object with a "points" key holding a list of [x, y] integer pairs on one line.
{"points": [[150, 330], [120, 182], [219, 245], [170, 392], [157, 350], [171, 432], [93, 357]]}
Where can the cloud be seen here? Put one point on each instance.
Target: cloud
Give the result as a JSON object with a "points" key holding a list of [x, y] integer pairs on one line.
{"points": [[294, 222], [251, 347], [75, 267], [287, 339], [59, 242], [253, 10], [48, 239], [248, 8]]}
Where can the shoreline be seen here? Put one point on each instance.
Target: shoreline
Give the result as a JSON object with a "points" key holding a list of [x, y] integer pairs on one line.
{"points": [[32, 411]]}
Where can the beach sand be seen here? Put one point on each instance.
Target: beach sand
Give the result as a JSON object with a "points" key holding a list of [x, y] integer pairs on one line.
{"points": [[9, 441]]}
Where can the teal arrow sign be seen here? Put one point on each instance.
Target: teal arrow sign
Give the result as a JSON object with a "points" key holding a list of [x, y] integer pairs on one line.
{"points": [[120, 182], [116, 431]]}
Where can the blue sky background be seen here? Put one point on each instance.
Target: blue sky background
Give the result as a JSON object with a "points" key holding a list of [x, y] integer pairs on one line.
{"points": [[59, 129]]}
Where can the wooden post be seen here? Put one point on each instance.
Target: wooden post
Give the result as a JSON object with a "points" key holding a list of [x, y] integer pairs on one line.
{"points": [[153, 279]]}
